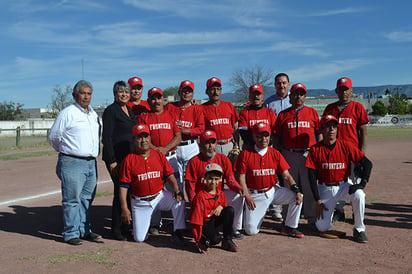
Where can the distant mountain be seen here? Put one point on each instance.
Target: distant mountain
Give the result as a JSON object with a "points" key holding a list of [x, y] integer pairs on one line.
{"points": [[377, 91]]}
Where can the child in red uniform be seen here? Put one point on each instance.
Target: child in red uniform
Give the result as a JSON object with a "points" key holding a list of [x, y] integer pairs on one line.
{"points": [[209, 210]]}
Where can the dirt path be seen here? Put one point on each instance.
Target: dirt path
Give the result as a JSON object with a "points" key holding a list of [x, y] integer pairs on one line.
{"points": [[31, 241]]}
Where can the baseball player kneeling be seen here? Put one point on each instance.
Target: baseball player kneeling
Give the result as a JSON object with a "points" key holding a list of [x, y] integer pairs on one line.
{"points": [[257, 167], [143, 171], [209, 210], [329, 168]]}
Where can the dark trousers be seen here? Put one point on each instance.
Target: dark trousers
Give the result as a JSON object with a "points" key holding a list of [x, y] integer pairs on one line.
{"points": [[210, 231], [117, 225]]}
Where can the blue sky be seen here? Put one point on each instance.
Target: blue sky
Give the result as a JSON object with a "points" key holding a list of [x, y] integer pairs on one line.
{"points": [[165, 42]]}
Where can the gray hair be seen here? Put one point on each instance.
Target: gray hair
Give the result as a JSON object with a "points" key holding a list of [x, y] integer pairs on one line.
{"points": [[81, 83], [119, 86]]}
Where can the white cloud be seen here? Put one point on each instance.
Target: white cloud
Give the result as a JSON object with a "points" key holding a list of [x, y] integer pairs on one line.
{"points": [[400, 36], [241, 12], [322, 70], [34, 6], [349, 10]]}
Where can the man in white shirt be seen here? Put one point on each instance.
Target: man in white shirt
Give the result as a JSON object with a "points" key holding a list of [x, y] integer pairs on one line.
{"points": [[75, 134], [279, 102]]}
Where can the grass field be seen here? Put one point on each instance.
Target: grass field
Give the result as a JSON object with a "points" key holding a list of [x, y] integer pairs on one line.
{"points": [[389, 132]]}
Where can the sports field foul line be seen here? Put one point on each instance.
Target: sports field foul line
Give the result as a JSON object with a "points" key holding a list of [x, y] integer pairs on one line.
{"points": [[40, 195]]}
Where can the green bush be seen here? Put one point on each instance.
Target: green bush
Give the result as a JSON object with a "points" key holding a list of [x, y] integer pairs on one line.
{"points": [[379, 109]]}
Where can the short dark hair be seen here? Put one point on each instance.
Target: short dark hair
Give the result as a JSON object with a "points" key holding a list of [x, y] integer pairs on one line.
{"points": [[214, 173], [280, 75]]}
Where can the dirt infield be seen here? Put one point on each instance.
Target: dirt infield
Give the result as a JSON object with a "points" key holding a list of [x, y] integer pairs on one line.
{"points": [[31, 241]]}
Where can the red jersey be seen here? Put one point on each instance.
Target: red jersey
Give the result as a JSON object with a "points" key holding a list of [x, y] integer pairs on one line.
{"points": [[297, 128], [260, 170], [142, 107], [191, 118], [162, 127], [202, 206], [248, 117], [350, 119], [196, 169], [333, 165], [220, 119], [145, 175]]}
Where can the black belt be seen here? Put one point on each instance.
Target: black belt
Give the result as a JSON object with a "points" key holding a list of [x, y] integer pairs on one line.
{"points": [[146, 198], [299, 150], [187, 142], [330, 184], [88, 158]]}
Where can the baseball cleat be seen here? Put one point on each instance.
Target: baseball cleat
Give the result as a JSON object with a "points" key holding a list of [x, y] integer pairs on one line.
{"points": [[292, 232], [277, 217], [238, 235], [360, 237], [229, 245]]}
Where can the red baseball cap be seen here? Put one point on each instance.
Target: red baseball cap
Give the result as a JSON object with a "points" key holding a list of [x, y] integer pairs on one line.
{"points": [[328, 118], [134, 81], [154, 91], [297, 86], [344, 82], [187, 83], [139, 129], [255, 87], [212, 81], [207, 135], [260, 128]]}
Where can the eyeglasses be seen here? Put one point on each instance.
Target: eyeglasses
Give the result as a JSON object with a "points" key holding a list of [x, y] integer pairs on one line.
{"points": [[137, 87], [330, 125]]}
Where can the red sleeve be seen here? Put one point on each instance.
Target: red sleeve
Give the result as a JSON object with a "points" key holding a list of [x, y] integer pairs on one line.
{"points": [[278, 125], [142, 119], [199, 120], [272, 117], [355, 153], [197, 232], [125, 174], [190, 180], [240, 165], [310, 160], [243, 118], [363, 116], [235, 116], [282, 164]]}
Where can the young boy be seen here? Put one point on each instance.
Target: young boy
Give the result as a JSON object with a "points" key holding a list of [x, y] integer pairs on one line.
{"points": [[209, 210]]}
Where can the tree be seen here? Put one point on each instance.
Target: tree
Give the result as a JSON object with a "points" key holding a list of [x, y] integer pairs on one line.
{"points": [[60, 99], [171, 91], [398, 104], [242, 79], [379, 109], [10, 110]]}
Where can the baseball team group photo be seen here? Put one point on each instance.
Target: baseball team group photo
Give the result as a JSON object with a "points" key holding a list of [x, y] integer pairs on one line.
{"points": [[204, 177]]}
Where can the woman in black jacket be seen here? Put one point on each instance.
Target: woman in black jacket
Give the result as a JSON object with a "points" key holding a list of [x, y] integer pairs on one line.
{"points": [[118, 122]]}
